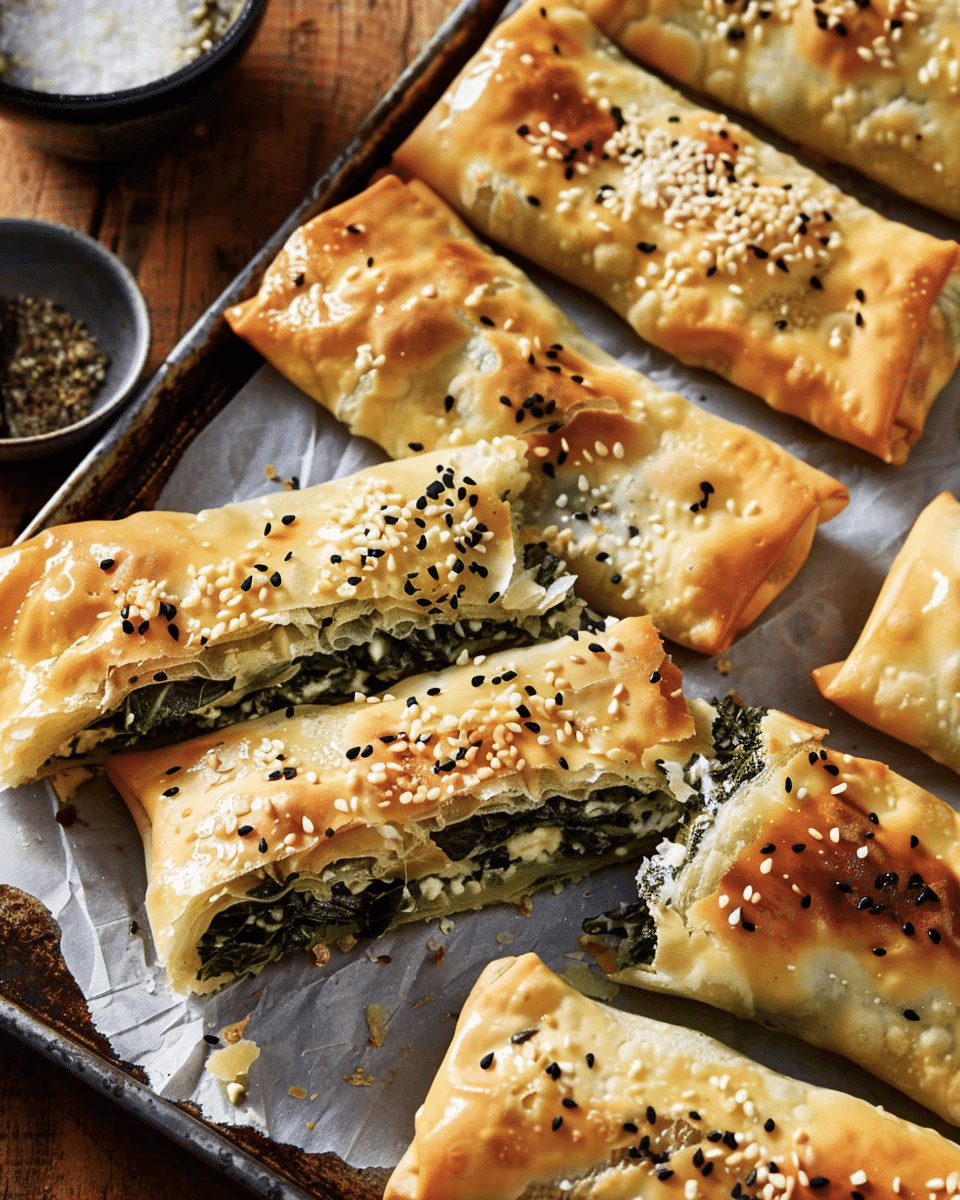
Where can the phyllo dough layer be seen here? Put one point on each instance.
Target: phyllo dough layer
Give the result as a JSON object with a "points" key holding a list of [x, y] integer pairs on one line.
{"points": [[875, 85], [461, 788], [821, 898], [903, 675], [162, 623], [709, 242], [544, 1092], [390, 313]]}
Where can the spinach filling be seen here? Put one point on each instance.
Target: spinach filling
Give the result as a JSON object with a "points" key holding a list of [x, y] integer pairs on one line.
{"points": [[178, 709], [738, 758], [276, 918]]}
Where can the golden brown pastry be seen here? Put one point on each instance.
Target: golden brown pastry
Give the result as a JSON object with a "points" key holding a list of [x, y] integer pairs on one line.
{"points": [[546, 1093], [903, 675], [388, 311], [458, 789], [709, 242], [163, 624], [875, 85], [820, 897]]}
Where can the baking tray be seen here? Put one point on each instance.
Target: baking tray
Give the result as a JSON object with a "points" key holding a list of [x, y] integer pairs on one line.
{"points": [[815, 621]]}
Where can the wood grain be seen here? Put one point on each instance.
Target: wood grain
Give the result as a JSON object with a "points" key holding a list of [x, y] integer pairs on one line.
{"points": [[184, 219]]}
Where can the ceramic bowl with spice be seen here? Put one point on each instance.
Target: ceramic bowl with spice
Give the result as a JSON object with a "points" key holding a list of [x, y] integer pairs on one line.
{"points": [[104, 79], [74, 337]]}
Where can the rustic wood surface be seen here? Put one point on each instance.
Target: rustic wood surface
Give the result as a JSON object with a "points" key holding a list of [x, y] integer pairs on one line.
{"points": [[184, 219]]}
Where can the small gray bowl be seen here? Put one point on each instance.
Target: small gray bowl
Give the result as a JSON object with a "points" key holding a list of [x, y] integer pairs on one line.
{"points": [[38, 258]]}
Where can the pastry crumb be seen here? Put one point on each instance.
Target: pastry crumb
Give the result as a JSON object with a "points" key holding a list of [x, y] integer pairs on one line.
{"points": [[360, 1078], [722, 665], [377, 1020]]}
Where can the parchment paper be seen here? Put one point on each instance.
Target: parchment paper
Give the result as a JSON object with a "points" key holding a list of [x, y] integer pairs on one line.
{"points": [[310, 1022]]}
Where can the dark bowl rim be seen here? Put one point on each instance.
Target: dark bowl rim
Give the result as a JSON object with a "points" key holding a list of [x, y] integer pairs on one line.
{"points": [[77, 106]]}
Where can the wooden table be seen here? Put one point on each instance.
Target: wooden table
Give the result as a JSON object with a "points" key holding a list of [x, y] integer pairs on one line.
{"points": [[184, 220]]}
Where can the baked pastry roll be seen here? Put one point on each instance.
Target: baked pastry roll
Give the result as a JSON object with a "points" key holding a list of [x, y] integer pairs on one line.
{"points": [[545, 1092], [903, 675], [163, 624], [709, 242], [821, 898], [459, 789], [388, 311], [872, 85]]}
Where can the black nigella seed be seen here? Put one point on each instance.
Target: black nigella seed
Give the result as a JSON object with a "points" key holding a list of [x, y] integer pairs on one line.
{"points": [[590, 1059], [665, 1174], [698, 1159], [873, 818], [769, 1125], [563, 764], [908, 928], [288, 519], [172, 770], [651, 1115], [879, 951], [107, 563], [416, 447], [448, 403], [788, 785], [127, 626], [569, 1102], [244, 830], [171, 791], [911, 1015], [556, 1123], [748, 925], [887, 879], [211, 1039], [247, 584], [289, 772], [629, 1127], [647, 247], [806, 901], [798, 847], [693, 1115], [266, 529], [843, 887], [860, 295], [160, 677], [288, 711], [655, 677], [781, 323], [831, 768], [819, 1181], [174, 632], [275, 579], [486, 1062], [864, 902], [353, 752], [523, 1036], [262, 846], [274, 775], [533, 200], [934, 936], [768, 848], [553, 1070]]}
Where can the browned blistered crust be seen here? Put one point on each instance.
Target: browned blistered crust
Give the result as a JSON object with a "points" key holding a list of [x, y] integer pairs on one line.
{"points": [[388, 311], [542, 1085], [873, 85], [903, 674], [824, 902], [90, 611], [710, 243]]}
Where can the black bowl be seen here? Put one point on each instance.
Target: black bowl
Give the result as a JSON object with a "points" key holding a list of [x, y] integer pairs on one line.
{"points": [[109, 126]]}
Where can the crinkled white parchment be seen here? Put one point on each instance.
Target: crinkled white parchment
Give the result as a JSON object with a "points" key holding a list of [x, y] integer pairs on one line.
{"points": [[310, 1023]]}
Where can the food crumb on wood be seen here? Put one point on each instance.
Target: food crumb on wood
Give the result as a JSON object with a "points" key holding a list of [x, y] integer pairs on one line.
{"points": [[524, 906], [360, 1078], [50, 367], [377, 1020], [427, 999], [504, 939], [298, 1093], [722, 665], [234, 1032]]}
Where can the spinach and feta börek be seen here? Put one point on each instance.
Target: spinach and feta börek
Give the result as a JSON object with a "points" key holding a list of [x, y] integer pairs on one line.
{"points": [[388, 311], [455, 790], [547, 1093], [710, 243], [820, 897], [163, 624]]}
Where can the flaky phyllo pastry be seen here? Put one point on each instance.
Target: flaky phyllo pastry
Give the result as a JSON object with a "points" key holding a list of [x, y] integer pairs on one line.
{"points": [[457, 789], [875, 85], [903, 674], [388, 311], [709, 242], [820, 897], [163, 624], [546, 1093]]}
